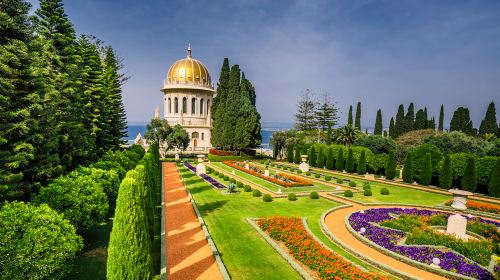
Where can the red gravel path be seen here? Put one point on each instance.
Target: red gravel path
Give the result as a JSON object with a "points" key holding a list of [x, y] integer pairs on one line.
{"points": [[188, 253]]}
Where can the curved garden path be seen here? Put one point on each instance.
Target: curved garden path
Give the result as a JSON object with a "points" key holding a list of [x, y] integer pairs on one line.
{"points": [[188, 254], [336, 224]]}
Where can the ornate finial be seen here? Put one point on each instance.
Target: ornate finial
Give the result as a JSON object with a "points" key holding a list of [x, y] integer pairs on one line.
{"points": [[189, 50]]}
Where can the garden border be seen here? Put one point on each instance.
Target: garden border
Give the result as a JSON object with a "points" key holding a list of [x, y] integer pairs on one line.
{"points": [[163, 241], [208, 237], [293, 263]]}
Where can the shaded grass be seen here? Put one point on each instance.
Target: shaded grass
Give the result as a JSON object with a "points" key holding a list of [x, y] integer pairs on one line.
{"points": [[243, 251]]}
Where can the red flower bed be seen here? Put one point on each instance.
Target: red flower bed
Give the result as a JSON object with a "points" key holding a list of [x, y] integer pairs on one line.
{"points": [[304, 248], [297, 182], [480, 206], [216, 152]]}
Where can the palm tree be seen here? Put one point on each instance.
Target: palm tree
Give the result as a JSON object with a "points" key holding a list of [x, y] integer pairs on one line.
{"points": [[346, 135]]}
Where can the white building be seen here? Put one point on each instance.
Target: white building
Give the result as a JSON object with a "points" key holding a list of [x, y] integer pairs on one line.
{"points": [[187, 93]]}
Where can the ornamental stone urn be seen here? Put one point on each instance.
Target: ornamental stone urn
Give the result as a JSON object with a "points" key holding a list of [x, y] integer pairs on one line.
{"points": [[457, 224], [176, 157], [266, 172], [304, 167], [200, 167], [459, 198]]}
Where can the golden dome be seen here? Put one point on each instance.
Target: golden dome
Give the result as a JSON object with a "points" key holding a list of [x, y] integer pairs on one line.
{"points": [[188, 73]]}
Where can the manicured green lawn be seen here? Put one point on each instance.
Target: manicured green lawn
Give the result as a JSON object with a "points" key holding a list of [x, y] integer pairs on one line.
{"points": [[243, 251], [271, 186]]}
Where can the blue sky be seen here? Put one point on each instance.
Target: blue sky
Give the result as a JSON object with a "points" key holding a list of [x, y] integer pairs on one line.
{"points": [[381, 53]]}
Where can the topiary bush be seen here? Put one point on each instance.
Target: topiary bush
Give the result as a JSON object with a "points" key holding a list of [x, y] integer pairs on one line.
{"points": [[216, 173], [366, 184], [247, 188], [226, 178], [328, 178], [239, 185], [221, 175], [256, 193], [299, 171], [232, 180], [267, 198], [314, 195], [317, 175], [340, 181], [384, 191], [308, 173], [367, 192], [348, 193], [352, 184], [292, 197]]}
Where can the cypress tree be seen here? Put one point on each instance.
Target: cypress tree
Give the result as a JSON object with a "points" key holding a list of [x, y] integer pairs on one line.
{"points": [[129, 245], [409, 120], [390, 166], [408, 169], [247, 131], [399, 126], [357, 121], [445, 177], [297, 159], [339, 162], [146, 198], [275, 151], [378, 123], [289, 153], [441, 118], [19, 100], [219, 105], [321, 158], [421, 120], [392, 132], [329, 160], [312, 157], [426, 172], [231, 108], [432, 123], [469, 180], [489, 123], [494, 184], [362, 163], [349, 116], [349, 163], [461, 121]]}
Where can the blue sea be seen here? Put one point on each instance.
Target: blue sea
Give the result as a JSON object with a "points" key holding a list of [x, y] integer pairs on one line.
{"points": [[266, 132]]}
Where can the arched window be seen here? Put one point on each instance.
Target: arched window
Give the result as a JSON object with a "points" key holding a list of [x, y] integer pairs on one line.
{"points": [[193, 106], [201, 106], [169, 106], [208, 105], [184, 105], [194, 135], [176, 105], [195, 142], [202, 136]]}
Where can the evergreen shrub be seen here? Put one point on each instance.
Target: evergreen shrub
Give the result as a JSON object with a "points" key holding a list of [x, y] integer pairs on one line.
{"points": [[384, 191], [292, 197], [226, 178], [367, 192], [340, 181], [352, 184], [314, 195], [267, 198], [256, 193], [328, 178], [247, 188], [348, 193]]}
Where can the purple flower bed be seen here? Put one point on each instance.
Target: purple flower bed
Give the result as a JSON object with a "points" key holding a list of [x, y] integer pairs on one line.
{"points": [[389, 238], [205, 177]]}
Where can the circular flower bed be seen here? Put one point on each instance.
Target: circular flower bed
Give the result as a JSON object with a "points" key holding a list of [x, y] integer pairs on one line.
{"points": [[367, 223]]}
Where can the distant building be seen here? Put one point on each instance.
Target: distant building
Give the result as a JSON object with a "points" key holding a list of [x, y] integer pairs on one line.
{"points": [[187, 96]]}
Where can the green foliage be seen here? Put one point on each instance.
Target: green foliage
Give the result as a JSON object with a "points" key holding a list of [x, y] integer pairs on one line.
{"points": [[219, 106], [239, 185], [226, 178], [399, 126], [178, 138], [390, 166], [378, 162], [384, 191], [349, 163], [328, 178], [366, 184], [314, 195], [312, 157], [458, 163], [297, 158], [469, 180], [349, 117], [346, 135], [267, 198], [376, 143], [489, 123], [409, 120], [326, 113], [109, 180], [321, 158], [81, 200], [110, 165], [352, 184], [419, 154], [37, 242], [357, 120], [458, 142], [317, 175], [247, 132], [494, 184], [308, 173], [367, 192], [130, 245], [445, 178], [305, 117], [392, 132], [426, 171], [461, 121], [292, 197], [256, 193], [120, 158], [362, 164], [232, 180], [484, 168], [329, 159], [215, 158], [289, 154], [216, 173], [247, 188], [348, 193], [339, 181], [378, 123], [441, 118], [299, 171], [408, 172], [339, 162]]}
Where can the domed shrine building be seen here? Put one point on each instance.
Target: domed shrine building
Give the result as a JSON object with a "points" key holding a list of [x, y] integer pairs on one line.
{"points": [[187, 93]]}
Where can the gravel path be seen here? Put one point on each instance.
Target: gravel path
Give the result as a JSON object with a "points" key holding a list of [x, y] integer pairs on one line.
{"points": [[188, 253]]}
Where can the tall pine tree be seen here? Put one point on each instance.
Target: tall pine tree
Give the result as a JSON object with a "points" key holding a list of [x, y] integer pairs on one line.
{"points": [[378, 123], [326, 113], [489, 123], [357, 121], [349, 117], [441, 118], [305, 118]]}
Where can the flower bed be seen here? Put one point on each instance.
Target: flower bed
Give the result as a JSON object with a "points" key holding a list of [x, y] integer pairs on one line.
{"points": [[286, 181], [390, 239], [480, 206], [216, 152], [205, 177], [304, 248]]}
